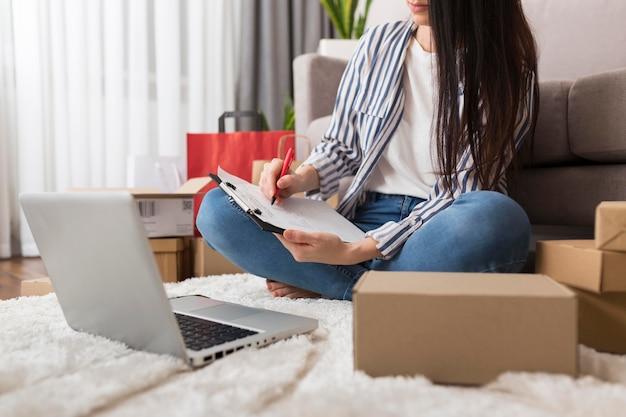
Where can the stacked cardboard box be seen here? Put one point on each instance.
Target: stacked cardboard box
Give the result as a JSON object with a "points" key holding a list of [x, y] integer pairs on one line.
{"points": [[463, 328], [171, 214], [174, 215], [169, 220], [173, 257], [207, 262], [596, 270], [167, 214], [177, 258], [36, 286]]}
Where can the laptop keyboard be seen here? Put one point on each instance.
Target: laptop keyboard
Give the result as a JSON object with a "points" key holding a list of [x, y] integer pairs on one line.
{"points": [[201, 334]]}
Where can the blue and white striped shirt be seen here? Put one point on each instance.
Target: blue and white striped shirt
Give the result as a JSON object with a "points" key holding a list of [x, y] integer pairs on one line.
{"points": [[368, 110]]}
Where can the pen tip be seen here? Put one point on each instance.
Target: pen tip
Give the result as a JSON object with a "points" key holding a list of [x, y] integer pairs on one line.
{"points": [[273, 201]]}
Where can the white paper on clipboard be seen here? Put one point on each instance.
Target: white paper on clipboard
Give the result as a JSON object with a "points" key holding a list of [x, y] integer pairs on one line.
{"points": [[294, 213]]}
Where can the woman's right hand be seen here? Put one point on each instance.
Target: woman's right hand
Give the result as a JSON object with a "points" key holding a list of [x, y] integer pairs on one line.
{"points": [[305, 178]]}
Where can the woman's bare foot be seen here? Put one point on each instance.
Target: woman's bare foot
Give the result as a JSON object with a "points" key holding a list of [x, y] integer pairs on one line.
{"points": [[278, 289]]}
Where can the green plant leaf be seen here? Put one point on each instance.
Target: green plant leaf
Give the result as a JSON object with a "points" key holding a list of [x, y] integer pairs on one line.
{"points": [[342, 16], [265, 126], [334, 12], [349, 8], [290, 120], [289, 114], [359, 28]]}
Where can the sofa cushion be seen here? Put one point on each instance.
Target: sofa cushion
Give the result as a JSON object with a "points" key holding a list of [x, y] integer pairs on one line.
{"points": [[550, 145], [597, 116]]}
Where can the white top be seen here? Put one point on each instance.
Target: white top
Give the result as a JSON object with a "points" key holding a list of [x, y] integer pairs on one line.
{"points": [[406, 165]]}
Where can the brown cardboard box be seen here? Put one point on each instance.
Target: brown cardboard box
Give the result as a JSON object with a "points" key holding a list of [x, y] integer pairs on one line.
{"points": [[207, 262], [610, 226], [168, 214], [579, 264], [171, 214], [173, 257], [463, 328], [602, 320], [36, 286]]}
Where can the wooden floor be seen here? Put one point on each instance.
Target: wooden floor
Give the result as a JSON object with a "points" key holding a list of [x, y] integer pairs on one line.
{"points": [[14, 270]]}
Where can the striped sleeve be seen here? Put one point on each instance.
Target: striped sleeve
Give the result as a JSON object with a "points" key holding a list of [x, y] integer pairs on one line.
{"points": [[339, 155], [392, 235], [362, 100]]}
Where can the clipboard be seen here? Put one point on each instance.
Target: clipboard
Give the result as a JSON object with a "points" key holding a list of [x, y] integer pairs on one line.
{"points": [[230, 190], [295, 213]]}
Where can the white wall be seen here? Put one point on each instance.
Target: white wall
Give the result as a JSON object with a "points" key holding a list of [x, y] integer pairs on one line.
{"points": [[386, 11], [578, 37], [575, 37]]}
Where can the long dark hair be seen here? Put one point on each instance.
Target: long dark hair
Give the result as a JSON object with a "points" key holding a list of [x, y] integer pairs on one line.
{"points": [[488, 47]]}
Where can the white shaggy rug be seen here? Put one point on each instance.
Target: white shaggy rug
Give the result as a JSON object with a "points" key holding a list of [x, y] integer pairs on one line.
{"points": [[47, 369]]}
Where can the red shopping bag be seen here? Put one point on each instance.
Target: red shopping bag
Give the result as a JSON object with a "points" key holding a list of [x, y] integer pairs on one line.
{"points": [[233, 151]]}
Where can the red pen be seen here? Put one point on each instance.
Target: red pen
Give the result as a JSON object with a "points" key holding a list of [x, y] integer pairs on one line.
{"points": [[286, 164]]}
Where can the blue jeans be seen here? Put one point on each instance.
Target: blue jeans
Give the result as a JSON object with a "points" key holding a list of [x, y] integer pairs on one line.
{"points": [[482, 231]]}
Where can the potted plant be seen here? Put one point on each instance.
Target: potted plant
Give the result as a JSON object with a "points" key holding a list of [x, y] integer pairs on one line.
{"points": [[348, 23], [342, 15]]}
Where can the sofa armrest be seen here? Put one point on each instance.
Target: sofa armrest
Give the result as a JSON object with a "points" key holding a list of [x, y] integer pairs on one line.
{"points": [[315, 82]]}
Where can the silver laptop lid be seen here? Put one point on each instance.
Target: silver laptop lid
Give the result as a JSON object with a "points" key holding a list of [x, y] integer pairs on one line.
{"points": [[100, 263]]}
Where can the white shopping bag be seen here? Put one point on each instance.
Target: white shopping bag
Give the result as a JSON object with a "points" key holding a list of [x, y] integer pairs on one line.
{"points": [[165, 173]]}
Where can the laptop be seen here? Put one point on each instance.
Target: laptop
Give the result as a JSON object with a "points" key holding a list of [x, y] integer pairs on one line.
{"points": [[98, 257]]}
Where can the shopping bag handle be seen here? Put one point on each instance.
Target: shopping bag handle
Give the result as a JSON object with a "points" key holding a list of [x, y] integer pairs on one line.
{"points": [[238, 114], [281, 144]]}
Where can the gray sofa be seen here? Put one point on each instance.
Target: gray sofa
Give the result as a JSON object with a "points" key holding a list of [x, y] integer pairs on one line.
{"points": [[578, 158]]}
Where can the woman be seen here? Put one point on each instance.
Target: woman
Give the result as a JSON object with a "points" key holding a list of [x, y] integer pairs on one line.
{"points": [[429, 115]]}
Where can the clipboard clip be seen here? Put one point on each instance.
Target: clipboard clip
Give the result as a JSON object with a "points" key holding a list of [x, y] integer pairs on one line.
{"points": [[229, 190]]}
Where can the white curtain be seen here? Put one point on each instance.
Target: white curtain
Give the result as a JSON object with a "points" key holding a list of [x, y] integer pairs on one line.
{"points": [[85, 83]]}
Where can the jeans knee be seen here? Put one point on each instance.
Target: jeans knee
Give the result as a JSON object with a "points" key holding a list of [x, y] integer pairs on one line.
{"points": [[210, 214], [498, 208], [500, 218], [514, 215]]}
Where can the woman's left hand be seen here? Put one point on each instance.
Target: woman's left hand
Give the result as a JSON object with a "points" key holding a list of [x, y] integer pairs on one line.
{"points": [[327, 248]]}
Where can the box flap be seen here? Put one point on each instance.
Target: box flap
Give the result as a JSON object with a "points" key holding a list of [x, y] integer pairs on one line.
{"points": [[190, 188], [134, 191], [193, 185], [610, 221], [460, 284]]}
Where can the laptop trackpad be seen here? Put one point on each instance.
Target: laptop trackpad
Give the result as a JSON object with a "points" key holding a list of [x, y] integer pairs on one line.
{"points": [[227, 312]]}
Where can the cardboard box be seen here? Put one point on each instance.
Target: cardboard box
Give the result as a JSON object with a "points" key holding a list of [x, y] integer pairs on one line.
{"points": [[173, 257], [463, 328], [207, 262], [579, 264], [172, 214], [602, 322], [167, 214], [36, 286], [610, 226]]}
